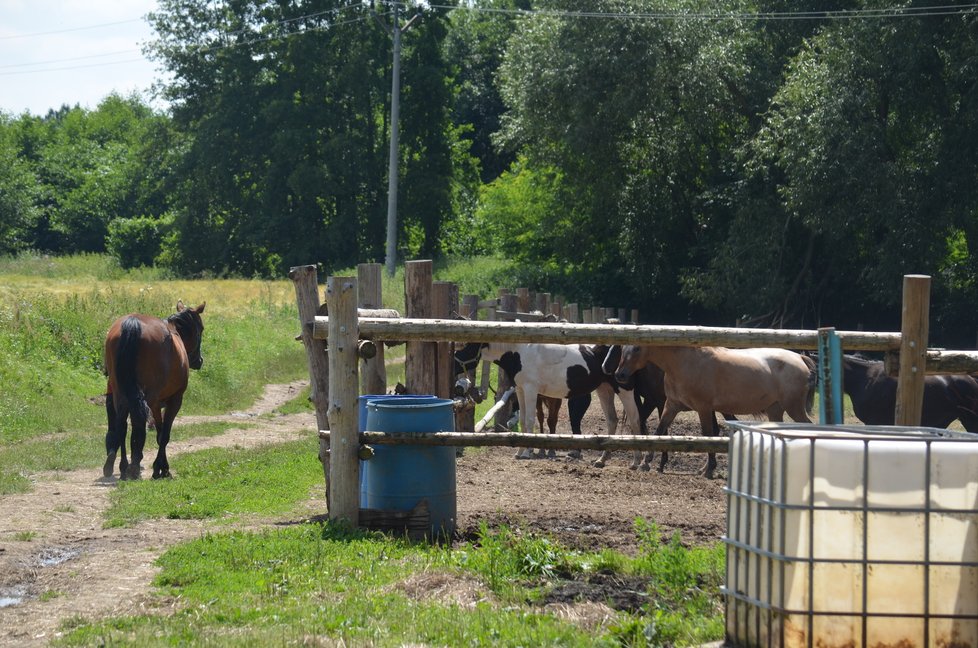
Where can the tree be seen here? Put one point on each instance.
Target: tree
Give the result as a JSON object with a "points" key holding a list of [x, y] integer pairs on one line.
{"points": [[287, 105]]}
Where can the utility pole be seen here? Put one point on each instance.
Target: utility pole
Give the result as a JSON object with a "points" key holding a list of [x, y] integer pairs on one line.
{"points": [[395, 30]]}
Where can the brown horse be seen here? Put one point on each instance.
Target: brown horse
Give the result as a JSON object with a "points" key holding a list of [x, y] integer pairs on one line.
{"points": [[735, 381], [148, 360]]}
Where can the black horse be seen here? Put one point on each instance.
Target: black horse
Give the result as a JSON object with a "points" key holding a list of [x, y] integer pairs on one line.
{"points": [[946, 397]]}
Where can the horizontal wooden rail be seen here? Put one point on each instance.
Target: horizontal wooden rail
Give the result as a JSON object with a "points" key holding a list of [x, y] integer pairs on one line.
{"points": [[434, 330], [548, 441]]}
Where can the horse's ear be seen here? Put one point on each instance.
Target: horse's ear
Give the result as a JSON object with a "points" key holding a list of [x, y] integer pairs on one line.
{"points": [[200, 309], [180, 306]]}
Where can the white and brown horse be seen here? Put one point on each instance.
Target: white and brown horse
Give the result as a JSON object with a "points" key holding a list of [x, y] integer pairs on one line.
{"points": [[562, 371], [707, 380]]}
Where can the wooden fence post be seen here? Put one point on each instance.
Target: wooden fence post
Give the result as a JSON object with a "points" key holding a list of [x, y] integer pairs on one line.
{"points": [[444, 302], [573, 313], [344, 462], [419, 359], [373, 372], [305, 281], [523, 300], [913, 349]]}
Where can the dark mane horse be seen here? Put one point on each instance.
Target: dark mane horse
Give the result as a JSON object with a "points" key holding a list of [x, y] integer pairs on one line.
{"points": [[148, 361], [873, 393]]}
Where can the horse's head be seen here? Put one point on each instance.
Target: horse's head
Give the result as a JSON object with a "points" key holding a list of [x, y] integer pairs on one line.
{"points": [[190, 327], [467, 357], [631, 359]]}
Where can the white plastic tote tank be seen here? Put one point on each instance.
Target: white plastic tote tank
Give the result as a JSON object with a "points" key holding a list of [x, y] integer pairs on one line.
{"points": [[851, 536]]}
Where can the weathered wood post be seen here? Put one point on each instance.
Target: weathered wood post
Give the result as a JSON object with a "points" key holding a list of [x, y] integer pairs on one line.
{"points": [[373, 373], [344, 462], [523, 300], [419, 359], [305, 281], [588, 316], [913, 349], [444, 302], [634, 316]]}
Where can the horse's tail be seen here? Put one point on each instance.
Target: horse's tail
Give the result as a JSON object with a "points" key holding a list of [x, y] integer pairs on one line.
{"points": [[130, 394], [812, 382]]}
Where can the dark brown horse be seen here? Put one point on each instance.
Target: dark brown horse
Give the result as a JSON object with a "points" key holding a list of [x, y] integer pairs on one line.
{"points": [[873, 392], [148, 360]]}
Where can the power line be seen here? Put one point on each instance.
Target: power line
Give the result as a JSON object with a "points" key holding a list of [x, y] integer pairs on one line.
{"points": [[67, 60], [73, 67], [891, 12], [71, 29]]}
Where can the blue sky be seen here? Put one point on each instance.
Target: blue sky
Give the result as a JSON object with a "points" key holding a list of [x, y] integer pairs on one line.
{"points": [[55, 52]]}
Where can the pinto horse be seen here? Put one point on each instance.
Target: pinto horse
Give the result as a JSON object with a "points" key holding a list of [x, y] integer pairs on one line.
{"points": [[873, 393], [715, 379], [148, 361], [562, 371]]}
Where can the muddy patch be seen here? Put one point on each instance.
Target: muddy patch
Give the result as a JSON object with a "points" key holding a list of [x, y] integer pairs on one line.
{"points": [[623, 593]]}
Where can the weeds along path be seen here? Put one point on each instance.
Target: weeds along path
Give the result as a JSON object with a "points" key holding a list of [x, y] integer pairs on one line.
{"points": [[57, 563]]}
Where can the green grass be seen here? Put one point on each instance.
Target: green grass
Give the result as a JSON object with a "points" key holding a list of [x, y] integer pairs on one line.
{"points": [[53, 318], [324, 583], [223, 484]]}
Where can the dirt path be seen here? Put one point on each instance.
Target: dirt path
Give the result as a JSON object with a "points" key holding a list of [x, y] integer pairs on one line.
{"points": [[57, 563]]}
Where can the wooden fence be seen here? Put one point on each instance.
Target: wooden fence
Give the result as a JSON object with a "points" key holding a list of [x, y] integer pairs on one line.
{"points": [[335, 382]]}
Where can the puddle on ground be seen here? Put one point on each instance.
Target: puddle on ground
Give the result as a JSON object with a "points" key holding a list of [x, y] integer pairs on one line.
{"points": [[12, 595], [53, 556]]}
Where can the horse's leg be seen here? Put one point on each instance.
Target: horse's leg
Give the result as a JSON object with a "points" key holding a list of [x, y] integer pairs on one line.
{"points": [[606, 396], [136, 444], [111, 437], [576, 409], [710, 428], [164, 422], [634, 420], [669, 413], [553, 411], [798, 412], [526, 418]]}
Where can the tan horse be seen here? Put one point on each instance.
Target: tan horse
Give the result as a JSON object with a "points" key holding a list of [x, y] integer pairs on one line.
{"points": [[706, 380]]}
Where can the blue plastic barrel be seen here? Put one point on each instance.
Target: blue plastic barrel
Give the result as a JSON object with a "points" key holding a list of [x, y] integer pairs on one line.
{"points": [[398, 477], [362, 426]]}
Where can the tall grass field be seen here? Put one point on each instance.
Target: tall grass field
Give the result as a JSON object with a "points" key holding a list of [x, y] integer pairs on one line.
{"points": [[308, 583]]}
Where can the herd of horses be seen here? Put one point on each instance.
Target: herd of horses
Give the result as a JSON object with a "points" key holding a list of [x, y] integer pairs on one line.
{"points": [[762, 382], [148, 362]]}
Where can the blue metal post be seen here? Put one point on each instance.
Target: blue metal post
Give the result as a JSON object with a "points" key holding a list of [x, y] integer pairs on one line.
{"points": [[829, 377]]}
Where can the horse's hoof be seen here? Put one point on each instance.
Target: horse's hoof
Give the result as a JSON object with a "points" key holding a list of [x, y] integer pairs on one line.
{"points": [[520, 455], [598, 464], [574, 454], [645, 468], [107, 470], [633, 467]]}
